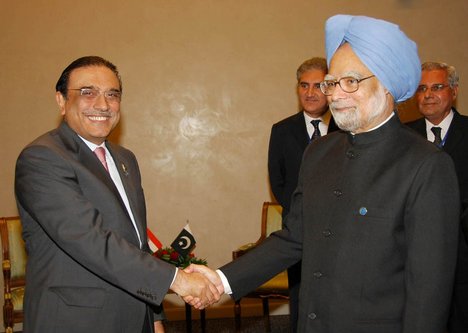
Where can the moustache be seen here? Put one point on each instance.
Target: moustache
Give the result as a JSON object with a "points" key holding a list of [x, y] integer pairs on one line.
{"points": [[97, 113], [338, 105]]}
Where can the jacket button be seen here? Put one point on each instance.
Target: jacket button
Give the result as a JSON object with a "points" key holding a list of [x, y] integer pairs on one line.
{"points": [[326, 233], [337, 193], [312, 316], [318, 275], [350, 154]]}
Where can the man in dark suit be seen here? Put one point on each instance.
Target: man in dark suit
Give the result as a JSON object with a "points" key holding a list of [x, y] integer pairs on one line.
{"points": [[84, 219], [375, 214], [289, 138], [435, 97]]}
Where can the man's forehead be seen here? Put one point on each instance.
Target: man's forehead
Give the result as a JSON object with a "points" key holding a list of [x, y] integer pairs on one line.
{"points": [[346, 62], [312, 73], [350, 73], [94, 74], [434, 73]]}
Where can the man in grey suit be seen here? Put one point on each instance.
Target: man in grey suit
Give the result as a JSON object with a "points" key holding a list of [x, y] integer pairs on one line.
{"points": [[375, 214], [288, 140], [442, 124], [84, 219]]}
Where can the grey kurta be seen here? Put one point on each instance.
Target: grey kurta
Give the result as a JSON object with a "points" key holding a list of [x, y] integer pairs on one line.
{"points": [[376, 226]]}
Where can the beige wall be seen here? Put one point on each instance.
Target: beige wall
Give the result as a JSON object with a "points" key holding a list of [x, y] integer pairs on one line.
{"points": [[203, 83]]}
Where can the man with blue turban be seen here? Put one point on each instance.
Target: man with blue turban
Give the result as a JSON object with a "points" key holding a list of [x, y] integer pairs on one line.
{"points": [[375, 215]]}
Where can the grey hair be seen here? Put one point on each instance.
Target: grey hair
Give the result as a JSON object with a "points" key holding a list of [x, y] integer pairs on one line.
{"points": [[452, 74]]}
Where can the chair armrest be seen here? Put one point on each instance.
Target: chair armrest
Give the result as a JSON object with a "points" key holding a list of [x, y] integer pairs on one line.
{"points": [[241, 250]]}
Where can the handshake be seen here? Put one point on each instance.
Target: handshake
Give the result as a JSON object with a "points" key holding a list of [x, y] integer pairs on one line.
{"points": [[198, 286]]}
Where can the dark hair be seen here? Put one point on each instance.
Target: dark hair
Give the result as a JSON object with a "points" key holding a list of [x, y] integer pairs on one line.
{"points": [[317, 63], [62, 83]]}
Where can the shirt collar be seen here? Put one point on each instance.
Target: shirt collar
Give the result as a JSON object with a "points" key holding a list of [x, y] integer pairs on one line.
{"points": [[444, 124], [91, 145], [325, 118]]}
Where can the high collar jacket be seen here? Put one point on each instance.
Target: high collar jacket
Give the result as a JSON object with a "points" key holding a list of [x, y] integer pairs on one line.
{"points": [[375, 221]]}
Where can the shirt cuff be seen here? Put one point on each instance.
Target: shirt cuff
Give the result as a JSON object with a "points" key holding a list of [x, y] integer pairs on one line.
{"points": [[224, 280], [175, 275]]}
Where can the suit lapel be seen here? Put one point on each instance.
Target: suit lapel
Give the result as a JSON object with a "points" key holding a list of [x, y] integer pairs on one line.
{"points": [[87, 159], [85, 156], [454, 135], [299, 131], [127, 176]]}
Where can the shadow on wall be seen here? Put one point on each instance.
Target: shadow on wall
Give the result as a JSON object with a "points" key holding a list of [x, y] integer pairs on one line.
{"points": [[407, 111]]}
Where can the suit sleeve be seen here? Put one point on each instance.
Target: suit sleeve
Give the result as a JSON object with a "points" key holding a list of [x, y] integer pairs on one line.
{"points": [[279, 251], [276, 164], [431, 232], [49, 193], [464, 221]]}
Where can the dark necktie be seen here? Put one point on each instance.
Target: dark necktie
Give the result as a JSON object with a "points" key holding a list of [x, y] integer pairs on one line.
{"points": [[101, 154], [437, 139], [316, 133]]}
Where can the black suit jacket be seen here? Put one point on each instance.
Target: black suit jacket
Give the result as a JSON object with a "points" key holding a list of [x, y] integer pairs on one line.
{"points": [[85, 270], [288, 140], [375, 222], [456, 145]]}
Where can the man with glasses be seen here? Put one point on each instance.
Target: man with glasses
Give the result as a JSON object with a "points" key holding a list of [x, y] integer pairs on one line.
{"points": [[375, 214], [288, 140], [443, 125], [84, 219]]}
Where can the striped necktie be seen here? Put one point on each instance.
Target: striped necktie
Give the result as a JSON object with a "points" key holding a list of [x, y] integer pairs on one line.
{"points": [[316, 133], [437, 137]]}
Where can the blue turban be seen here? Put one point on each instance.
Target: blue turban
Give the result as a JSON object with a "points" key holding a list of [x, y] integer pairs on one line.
{"points": [[388, 53]]}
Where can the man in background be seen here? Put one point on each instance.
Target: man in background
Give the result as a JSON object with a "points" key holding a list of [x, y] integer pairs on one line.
{"points": [[375, 215], [83, 213], [289, 138], [443, 125]]}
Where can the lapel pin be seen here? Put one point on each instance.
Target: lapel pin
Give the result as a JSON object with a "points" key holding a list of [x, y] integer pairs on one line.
{"points": [[124, 169]]}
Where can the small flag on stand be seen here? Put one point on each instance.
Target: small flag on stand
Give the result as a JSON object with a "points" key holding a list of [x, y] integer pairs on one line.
{"points": [[153, 241], [185, 242]]}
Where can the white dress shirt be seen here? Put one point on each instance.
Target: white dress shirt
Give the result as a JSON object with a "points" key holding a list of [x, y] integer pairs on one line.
{"points": [[114, 173], [444, 125], [323, 125]]}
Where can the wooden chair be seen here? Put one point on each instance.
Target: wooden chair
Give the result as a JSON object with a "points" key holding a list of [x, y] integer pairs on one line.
{"points": [[277, 287], [14, 269]]}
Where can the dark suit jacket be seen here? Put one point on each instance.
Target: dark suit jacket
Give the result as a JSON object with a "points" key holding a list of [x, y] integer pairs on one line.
{"points": [[377, 238], [85, 270], [288, 140], [456, 146]]}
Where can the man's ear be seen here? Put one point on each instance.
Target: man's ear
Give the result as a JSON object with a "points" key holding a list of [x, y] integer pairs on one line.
{"points": [[454, 92], [61, 100]]}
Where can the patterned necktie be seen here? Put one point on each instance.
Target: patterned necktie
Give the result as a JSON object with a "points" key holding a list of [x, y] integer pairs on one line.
{"points": [[316, 133], [437, 137], [101, 154]]}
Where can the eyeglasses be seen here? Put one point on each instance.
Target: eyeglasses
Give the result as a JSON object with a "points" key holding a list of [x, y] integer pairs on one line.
{"points": [[348, 84], [434, 88], [90, 94]]}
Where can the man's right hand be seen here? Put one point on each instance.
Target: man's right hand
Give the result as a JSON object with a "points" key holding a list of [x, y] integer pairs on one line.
{"points": [[195, 289]]}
